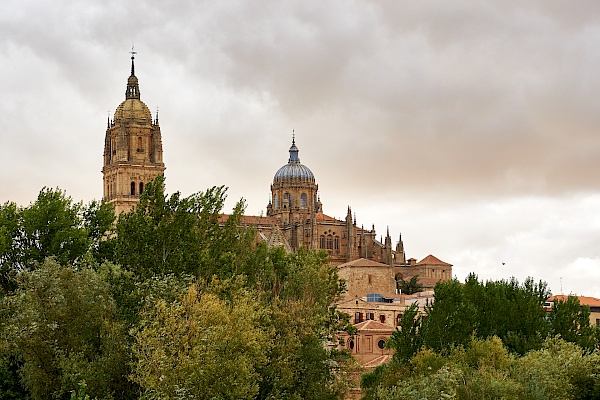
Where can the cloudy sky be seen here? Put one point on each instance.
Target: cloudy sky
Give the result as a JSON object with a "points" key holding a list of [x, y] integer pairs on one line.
{"points": [[470, 127]]}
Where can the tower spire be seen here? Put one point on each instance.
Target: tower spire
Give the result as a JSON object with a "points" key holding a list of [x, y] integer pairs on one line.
{"points": [[133, 89], [133, 53]]}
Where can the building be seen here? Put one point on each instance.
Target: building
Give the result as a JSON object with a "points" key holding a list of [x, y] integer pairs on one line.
{"points": [[295, 218], [591, 302], [133, 153]]}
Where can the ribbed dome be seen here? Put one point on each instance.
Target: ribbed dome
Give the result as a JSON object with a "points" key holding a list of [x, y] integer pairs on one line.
{"points": [[294, 169], [133, 109]]}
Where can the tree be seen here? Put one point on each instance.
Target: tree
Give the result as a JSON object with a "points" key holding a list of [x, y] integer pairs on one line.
{"points": [[409, 287], [451, 318], [506, 309], [61, 325], [406, 340], [175, 235], [52, 226], [202, 345], [569, 319], [300, 291]]}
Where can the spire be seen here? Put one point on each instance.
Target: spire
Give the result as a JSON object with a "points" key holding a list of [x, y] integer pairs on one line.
{"points": [[133, 89], [156, 122]]}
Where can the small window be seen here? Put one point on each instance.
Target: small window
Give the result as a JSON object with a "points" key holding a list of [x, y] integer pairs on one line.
{"points": [[382, 318], [133, 188], [329, 243], [141, 187], [322, 242], [398, 319], [351, 344], [381, 344], [276, 201], [336, 243], [358, 317], [303, 200]]}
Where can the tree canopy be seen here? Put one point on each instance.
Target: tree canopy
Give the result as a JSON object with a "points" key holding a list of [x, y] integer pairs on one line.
{"points": [[97, 306]]}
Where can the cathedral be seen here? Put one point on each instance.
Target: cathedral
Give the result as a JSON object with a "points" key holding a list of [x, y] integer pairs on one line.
{"points": [[133, 156]]}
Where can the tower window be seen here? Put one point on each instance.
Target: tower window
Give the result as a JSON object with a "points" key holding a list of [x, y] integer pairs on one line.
{"points": [[133, 188], [288, 197], [303, 200], [139, 149], [276, 201], [141, 187]]}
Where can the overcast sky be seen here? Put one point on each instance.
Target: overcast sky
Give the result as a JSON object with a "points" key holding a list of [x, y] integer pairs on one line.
{"points": [[470, 127]]}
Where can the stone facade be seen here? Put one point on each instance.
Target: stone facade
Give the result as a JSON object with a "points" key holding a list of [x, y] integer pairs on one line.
{"points": [[133, 153]]}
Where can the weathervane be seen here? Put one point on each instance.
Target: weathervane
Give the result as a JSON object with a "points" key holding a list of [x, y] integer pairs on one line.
{"points": [[132, 52]]}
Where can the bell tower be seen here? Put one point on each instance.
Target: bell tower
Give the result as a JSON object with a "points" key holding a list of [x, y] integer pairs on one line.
{"points": [[133, 153]]}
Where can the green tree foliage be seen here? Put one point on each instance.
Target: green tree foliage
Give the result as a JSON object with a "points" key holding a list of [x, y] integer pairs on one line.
{"points": [[506, 309], [406, 340], [451, 318], [299, 290], [486, 370], [409, 287], [202, 346], [116, 279], [180, 235], [54, 226], [61, 325], [571, 321]]}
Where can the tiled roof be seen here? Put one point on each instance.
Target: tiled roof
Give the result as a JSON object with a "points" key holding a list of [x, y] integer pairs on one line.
{"points": [[363, 262], [372, 325], [583, 300], [325, 218], [431, 260]]}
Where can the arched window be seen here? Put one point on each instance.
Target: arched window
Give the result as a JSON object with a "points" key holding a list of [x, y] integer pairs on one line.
{"points": [[303, 200], [276, 201], [336, 243], [322, 242], [139, 149], [141, 187], [288, 197], [329, 243], [132, 188]]}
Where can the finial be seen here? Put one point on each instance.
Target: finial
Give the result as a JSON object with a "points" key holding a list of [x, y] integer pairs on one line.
{"points": [[293, 136], [157, 115], [108, 124], [133, 53]]}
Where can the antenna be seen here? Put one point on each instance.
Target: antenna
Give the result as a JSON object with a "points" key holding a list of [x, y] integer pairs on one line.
{"points": [[561, 290]]}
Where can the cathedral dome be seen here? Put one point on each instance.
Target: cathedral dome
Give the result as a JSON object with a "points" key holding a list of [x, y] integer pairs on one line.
{"points": [[294, 170], [133, 109]]}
